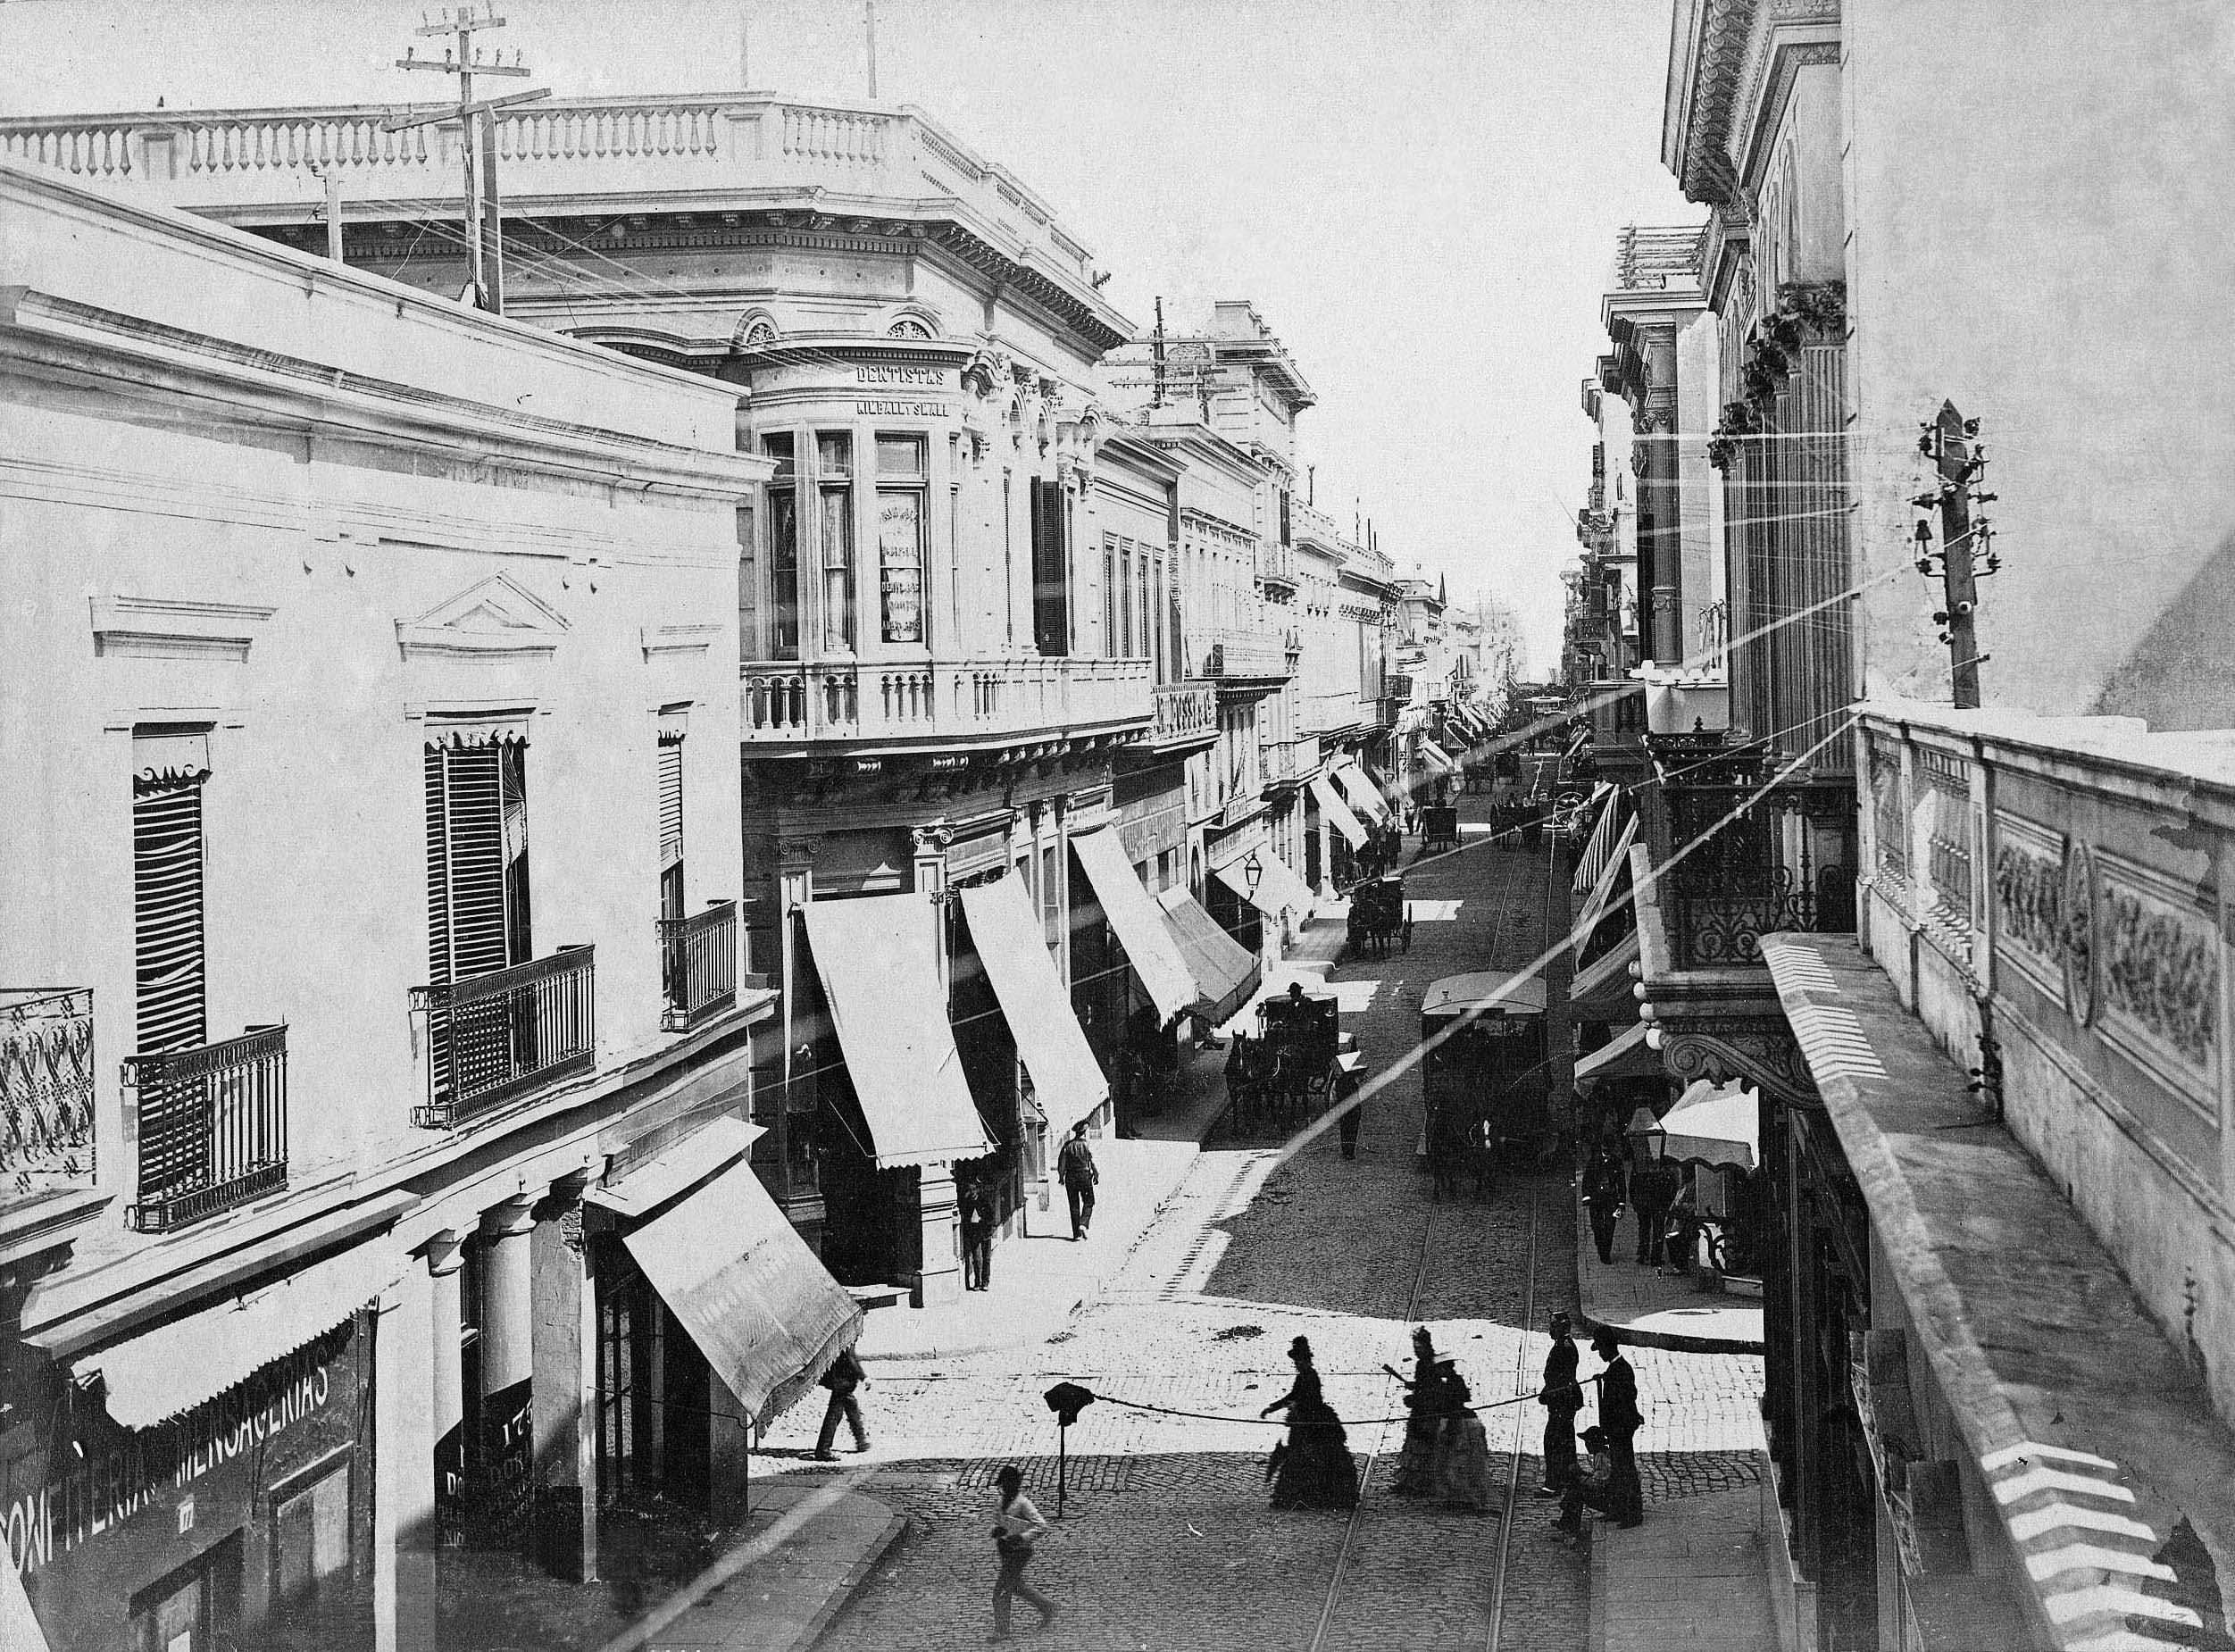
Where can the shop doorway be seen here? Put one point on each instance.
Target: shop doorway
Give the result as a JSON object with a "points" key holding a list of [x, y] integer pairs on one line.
{"points": [[195, 1608]]}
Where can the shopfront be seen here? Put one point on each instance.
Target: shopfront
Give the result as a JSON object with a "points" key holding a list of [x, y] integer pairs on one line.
{"points": [[242, 1518]]}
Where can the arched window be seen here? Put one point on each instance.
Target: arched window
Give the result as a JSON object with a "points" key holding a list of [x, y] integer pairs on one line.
{"points": [[756, 328], [908, 327]]}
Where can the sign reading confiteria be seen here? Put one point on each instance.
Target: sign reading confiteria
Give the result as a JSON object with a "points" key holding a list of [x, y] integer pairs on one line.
{"points": [[93, 1512]]}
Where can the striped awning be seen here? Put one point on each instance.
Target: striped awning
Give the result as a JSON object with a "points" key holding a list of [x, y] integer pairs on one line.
{"points": [[1365, 802], [1336, 810], [1602, 892], [1600, 844]]}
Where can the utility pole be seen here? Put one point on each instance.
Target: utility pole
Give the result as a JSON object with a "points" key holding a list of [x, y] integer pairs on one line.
{"points": [[1949, 442], [870, 17], [332, 180], [485, 236], [1157, 396]]}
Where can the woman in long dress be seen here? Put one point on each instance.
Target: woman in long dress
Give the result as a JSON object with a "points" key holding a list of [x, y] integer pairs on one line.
{"points": [[1423, 1421], [1312, 1468], [1466, 1476]]}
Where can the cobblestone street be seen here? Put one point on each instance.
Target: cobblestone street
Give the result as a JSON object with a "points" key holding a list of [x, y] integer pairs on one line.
{"points": [[1167, 1540]]}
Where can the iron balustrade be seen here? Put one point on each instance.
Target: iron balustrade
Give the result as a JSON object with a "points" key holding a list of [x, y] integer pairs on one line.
{"points": [[1784, 859], [496, 1037], [698, 964], [213, 1127], [47, 1139]]}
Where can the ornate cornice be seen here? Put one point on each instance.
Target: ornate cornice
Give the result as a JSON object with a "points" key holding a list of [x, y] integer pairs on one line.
{"points": [[1725, 1050]]}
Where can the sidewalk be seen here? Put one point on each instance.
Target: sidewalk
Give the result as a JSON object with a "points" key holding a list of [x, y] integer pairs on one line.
{"points": [[782, 1600], [1651, 1310], [1692, 1576]]}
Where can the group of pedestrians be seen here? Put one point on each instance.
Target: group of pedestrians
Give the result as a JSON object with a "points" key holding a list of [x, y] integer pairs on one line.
{"points": [[1604, 1477], [1656, 1192]]}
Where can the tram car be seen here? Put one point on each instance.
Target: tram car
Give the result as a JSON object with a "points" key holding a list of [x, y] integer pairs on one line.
{"points": [[1485, 1081]]}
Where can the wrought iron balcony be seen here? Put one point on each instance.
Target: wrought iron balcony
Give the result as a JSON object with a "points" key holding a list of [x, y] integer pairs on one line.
{"points": [[939, 702], [213, 1127], [698, 965], [501, 1036], [1763, 860], [1186, 714], [1240, 657], [46, 1143]]}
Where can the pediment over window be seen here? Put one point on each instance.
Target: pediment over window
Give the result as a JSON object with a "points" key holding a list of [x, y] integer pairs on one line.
{"points": [[156, 627], [495, 619]]}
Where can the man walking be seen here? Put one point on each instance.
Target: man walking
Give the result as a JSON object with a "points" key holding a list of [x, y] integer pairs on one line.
{"points": [[1016, 1528], [1602, 1195], [1618, 1415], [1561, 1399], [1075, 1169], [1652, 1191], [977, 1237], [842, 1379]]}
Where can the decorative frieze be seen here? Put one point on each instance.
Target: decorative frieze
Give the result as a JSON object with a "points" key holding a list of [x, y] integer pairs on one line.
{"points": [[2028, 895], [2156, 976]]}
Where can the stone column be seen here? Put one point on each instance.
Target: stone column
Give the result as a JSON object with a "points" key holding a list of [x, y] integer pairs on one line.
{"points": [[940, 1278], [447, 1415], [930, 872], [404, 1535], [507, 1297], [563, 1335]]}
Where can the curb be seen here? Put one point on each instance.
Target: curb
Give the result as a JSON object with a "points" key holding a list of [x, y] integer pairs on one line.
{"points": [[842, 1596], [1672, 1342]]}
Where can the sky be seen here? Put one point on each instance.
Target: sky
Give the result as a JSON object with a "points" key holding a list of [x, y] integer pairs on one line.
{"points": [[1420, 197]]}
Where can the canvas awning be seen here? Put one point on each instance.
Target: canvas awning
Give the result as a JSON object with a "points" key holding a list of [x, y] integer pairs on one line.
{"points": [[1575, 747], [1600, 845], [1602, 991], [874, 954], [1628, 1056], [1067, 1080], [1279, 888], [177, 1366], [1336, 810], [755, 1299], [1368, 803], [1433, 756], [1712, 1123], [1602, 891], [1139, 923], [1225, 972]]}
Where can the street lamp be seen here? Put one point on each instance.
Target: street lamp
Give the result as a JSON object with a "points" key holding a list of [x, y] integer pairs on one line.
{"points": [[1648, 1140], [1253, 869]]}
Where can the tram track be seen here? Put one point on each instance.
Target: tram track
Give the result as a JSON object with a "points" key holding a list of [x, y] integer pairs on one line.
{"points": [[1511, 902]]}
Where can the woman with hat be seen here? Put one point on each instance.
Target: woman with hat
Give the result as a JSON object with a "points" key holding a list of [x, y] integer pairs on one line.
{"points": [[1465, 1478], [1415, 1475], [1312, 1468]]}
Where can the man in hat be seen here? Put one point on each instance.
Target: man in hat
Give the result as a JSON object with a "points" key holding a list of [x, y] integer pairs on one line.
{"points": [[1618, 1415], [1592, 1487], [1562, 1397], [1075, 1169]]}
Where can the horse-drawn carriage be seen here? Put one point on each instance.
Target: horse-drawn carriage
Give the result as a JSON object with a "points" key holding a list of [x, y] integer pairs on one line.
{"points": [[1377, 916], [1440, 827], [1279, 1078], [1485, 1079]]}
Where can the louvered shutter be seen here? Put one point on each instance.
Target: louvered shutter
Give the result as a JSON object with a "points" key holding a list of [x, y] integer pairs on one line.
{"points": [[167, 929], [477, 899], [671, 826], [1051, 594]]}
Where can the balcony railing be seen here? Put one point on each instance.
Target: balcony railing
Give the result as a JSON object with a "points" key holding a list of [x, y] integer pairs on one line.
{"points": [[1183, 713], [213, 1127], [789, 702], [46, 1091], [1785, 860], [1244, 655], [1292, 762], [698, 965], [502, 1035], [1400, 686]]}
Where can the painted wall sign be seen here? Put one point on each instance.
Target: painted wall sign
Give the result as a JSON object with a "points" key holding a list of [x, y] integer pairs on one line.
{"points": [[901, 410], [913, 378]]}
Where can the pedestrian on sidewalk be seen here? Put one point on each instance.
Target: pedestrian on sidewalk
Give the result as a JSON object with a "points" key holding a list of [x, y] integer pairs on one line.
{"points": [[978, 1225], [1603, 1189], [1590, 1487], [1017, 1527], [1075, 1169], [1618, 1415], [1562, 1397], [842, 1379], [1652, 1191]]}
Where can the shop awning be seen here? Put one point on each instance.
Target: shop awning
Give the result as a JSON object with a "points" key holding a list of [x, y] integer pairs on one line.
{"points": [[1138, 922], [874, 955], [1456, 755], [1718, 1124], [1433, 756], [1368, 803], [1629, 1056], [1575, 747], [1602, 992], [755, 1299], [1067, 1080], [175, 1367], [1599, 846], [1602, 891], [1279, 888], [1336, 810], [1224, 971]]}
